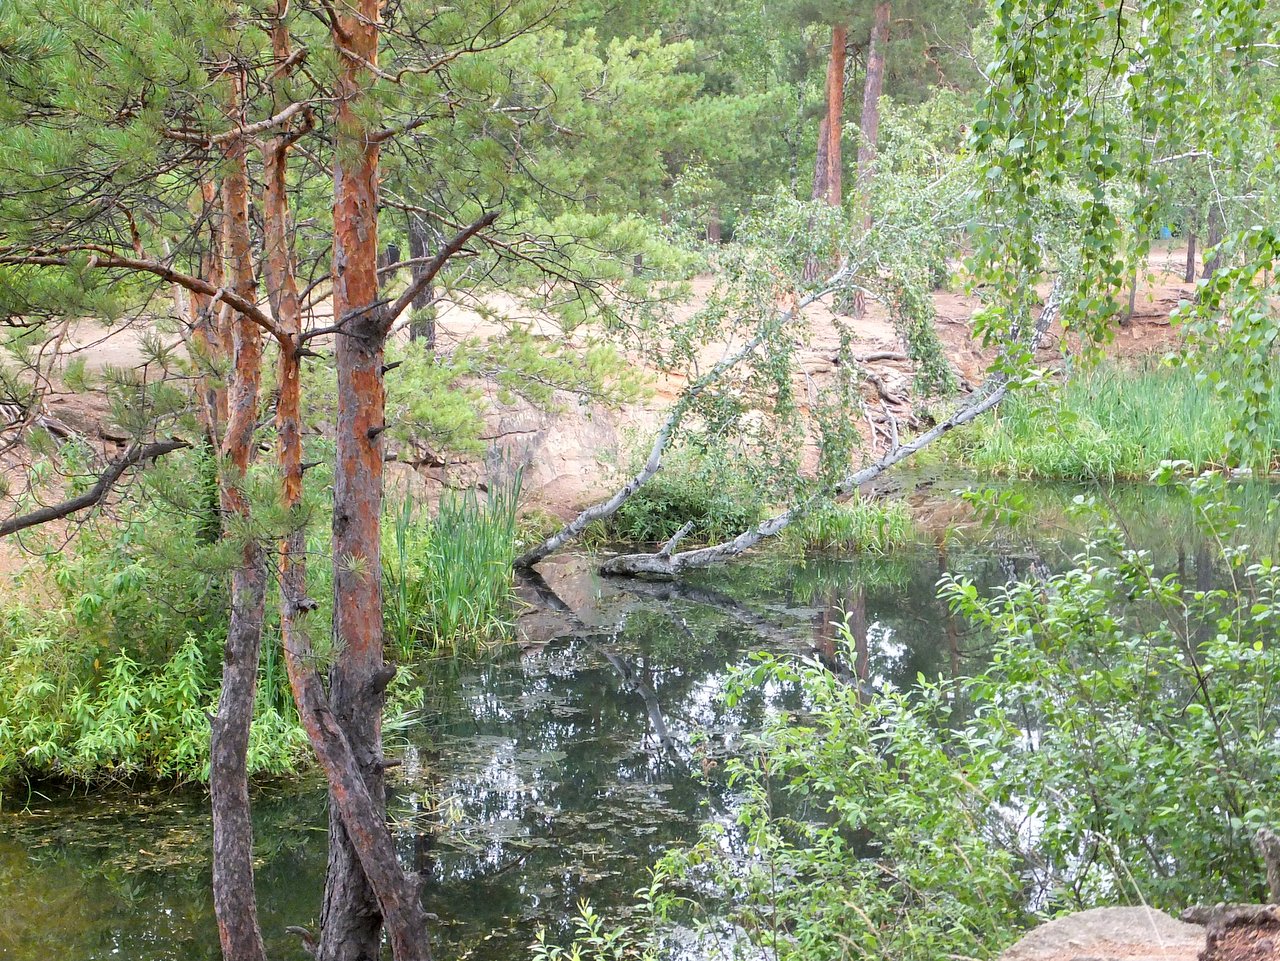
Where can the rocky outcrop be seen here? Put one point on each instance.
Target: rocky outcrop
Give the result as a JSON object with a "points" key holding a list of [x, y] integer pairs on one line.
{"points": [[1111, 934]]}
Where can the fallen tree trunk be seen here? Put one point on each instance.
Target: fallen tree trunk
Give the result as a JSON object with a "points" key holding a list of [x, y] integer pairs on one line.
{"points": [[666, 564], [653, 464]]}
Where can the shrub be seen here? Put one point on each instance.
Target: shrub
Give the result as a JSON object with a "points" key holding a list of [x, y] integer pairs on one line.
{"points": [[112, 656], [690, 488], [1121, 746]]}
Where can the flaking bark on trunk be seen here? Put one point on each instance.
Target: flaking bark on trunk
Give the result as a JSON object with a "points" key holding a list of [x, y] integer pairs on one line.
{"points": [[362, 816], [235, 904], [346, 731]]}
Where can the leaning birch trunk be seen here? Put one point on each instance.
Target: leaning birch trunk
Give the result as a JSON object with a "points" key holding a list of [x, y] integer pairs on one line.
{"points": [[679, 409], [235, 905], [667, 563]]}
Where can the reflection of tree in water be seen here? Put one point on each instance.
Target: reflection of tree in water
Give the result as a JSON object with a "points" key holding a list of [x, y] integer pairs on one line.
{"points": [[536, 780]]}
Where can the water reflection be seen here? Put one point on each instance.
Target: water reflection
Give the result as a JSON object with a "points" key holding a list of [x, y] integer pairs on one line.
{"points": [[557, 771]]}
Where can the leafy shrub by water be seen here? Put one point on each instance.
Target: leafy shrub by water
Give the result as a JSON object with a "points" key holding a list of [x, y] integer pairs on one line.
{"points": [[1113, 422], [690, 488], [111, 658]]}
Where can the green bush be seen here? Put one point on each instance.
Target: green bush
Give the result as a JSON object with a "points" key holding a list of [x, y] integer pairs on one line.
{"points": [[111, 657], [720, 503], [1121, 746]]}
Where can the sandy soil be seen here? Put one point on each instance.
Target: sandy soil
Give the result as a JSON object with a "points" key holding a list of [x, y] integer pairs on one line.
{"points": [[1111, 934]]}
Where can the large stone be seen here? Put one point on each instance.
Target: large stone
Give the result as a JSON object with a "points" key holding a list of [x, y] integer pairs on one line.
{"points": [[1111, 934]]}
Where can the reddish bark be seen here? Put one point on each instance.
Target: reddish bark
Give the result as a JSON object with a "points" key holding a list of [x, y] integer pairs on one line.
{"points": [[874, 87], [835, 113], [233, 889], [349, 739]]}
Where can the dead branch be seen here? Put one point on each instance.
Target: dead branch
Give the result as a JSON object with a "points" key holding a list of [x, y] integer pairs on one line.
{"points": [[136, 454]]}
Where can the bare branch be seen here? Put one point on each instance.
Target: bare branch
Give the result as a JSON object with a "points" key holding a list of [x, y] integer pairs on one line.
{"points": [[425, 279], [136, 454], [105, 257]]}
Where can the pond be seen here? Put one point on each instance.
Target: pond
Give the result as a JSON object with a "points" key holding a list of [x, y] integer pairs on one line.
{"points": [[556, 771]]}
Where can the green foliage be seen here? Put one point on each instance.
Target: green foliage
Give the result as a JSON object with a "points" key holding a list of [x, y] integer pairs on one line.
{"points": [[856, 833], [1136, 716], [448, 578], [1121, 745], [1113, 422], [112, 659], [1189, 129], [691, 488], [871, 526]]}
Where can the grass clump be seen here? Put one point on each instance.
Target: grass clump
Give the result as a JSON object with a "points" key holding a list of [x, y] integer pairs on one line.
{"points": [[448, 579], [857, 526], [690, 488], [1113, 422]]}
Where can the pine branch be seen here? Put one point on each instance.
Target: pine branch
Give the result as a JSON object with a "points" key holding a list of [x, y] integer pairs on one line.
{"points": [[136, 454]]}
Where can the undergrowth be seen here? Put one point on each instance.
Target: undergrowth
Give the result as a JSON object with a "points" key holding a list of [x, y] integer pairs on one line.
{"points": [[448, 578], [690, 488], [857, 526], [112, 658], [1113, 422], [111, 646]]}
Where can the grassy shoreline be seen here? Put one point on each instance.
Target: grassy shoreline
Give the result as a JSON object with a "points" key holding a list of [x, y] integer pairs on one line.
{"points": [[1112, 423]]}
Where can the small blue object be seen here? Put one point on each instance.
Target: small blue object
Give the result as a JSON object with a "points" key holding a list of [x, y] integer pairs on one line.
{"points": [[1165, 233]]}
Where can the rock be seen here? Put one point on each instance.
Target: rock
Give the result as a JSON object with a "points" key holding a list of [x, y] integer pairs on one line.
{"points": [[1111, 934]]}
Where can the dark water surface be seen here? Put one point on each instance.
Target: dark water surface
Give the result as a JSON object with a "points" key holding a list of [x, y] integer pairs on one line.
{"points": [[556, 772]]}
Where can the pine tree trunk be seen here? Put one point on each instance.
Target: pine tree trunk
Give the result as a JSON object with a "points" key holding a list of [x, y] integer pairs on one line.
{"points": [[1189, 277], [347, 730], [874, 87], [351, 922], [234, 901], [820, 163], [422, 312], [835, 113]]}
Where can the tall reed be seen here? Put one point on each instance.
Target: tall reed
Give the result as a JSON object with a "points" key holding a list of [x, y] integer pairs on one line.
{"points": [[448, 579]]}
